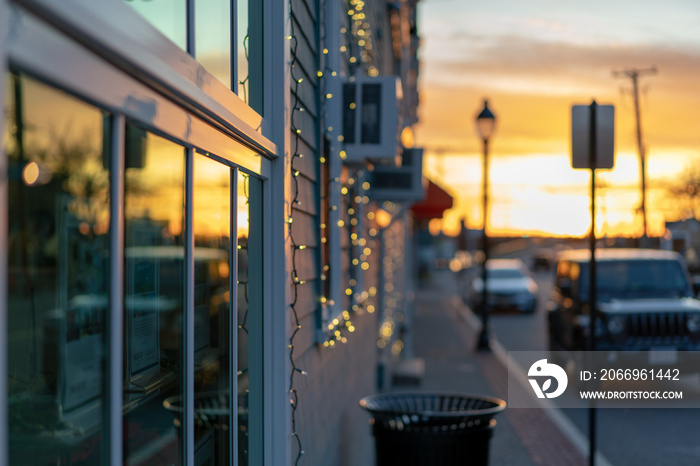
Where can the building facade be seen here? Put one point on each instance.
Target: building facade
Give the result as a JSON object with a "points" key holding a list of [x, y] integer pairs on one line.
{"points": [[195, 264]]}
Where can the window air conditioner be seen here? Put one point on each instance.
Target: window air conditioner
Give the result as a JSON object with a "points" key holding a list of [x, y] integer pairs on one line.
{"points": [[370, 117], [399, 184]]}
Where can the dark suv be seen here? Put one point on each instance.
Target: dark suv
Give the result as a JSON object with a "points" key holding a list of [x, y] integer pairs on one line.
{"points": [[644, 297]]}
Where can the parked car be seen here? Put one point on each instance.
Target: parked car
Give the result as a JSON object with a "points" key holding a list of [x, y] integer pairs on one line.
{"points": [[543, 259], [645, 302], [509, 284]]}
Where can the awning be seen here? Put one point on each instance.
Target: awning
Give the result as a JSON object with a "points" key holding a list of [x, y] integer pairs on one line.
{"points": [[436, 202]]}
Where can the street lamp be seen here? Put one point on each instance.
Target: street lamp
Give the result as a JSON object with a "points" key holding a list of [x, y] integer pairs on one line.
{"points": [[485, 125]]}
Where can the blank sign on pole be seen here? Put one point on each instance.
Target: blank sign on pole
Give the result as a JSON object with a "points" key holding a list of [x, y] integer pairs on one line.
{"points": [[604, 136]]}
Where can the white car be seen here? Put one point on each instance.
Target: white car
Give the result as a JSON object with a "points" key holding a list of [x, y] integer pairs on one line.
{"points": [[509, 284]]}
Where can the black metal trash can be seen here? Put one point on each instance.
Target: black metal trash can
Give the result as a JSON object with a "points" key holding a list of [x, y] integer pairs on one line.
{"points": [[419, 429]]}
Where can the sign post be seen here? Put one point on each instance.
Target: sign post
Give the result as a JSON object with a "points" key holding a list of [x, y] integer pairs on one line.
{"points": [[592, 147]]}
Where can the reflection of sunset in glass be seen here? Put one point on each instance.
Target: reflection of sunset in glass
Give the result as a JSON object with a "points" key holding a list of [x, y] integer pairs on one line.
{"points": [[243, 210], [534, 60], [158, 186], [212, 198]]}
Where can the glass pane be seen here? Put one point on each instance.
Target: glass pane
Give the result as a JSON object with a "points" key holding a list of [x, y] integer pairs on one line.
{"points": [[168, 16], [58, 277], [243, 50], [212, 309], [244, 319], [213, 38], [154, 288]]}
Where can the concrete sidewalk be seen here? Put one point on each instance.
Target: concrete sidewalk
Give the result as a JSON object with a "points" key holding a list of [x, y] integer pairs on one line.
{"points": [[444, 336]]}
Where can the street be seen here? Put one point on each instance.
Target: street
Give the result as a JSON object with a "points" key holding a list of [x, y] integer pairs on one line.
{"points": [[624, 436]]}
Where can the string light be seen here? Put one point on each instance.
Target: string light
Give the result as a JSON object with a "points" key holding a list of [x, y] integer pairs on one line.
{"points": [[244, 82], [357, 44], [296, 281]]}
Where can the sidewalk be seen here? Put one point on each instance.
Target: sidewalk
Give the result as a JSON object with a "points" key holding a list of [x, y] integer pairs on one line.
{"points": [[444, 335]]}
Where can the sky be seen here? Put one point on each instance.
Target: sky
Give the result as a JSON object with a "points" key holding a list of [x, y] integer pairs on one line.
{"points": [[533, 60]]}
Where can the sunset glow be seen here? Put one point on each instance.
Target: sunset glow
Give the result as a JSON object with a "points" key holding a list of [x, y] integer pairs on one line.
{"points": [[533, 60]]}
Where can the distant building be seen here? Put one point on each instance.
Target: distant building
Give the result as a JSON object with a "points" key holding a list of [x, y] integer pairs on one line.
{"points": [[683, 236], [206, 244]]}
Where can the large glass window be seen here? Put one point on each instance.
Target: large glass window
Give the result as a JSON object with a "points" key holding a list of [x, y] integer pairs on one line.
{"points": [[168, 16], [213, 38], [58, 275], [59, 289], [154, 274], [212, 309], [216, 46]]}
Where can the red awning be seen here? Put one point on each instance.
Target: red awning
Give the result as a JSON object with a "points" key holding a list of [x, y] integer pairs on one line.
{"points": [[436, 201]]}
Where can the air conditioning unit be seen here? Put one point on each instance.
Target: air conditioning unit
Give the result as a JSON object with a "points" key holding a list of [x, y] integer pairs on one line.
{"points": [[370, 117], [399, 184]]}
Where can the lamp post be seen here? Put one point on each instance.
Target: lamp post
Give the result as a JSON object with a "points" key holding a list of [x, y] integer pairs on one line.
{"points": [[485, 125]]}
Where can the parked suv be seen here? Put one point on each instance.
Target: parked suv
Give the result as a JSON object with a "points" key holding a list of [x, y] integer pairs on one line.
{"points": [[645, 301]]}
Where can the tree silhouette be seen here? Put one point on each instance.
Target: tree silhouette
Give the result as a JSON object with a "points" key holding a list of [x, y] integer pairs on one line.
{"points": [[684, 191]]}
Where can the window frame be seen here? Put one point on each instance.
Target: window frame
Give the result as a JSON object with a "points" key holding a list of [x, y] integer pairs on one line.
{"points": [[36, 49], [150, 57]]}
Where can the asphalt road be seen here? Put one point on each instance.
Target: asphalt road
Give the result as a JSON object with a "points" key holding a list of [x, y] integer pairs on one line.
{"points": [[647, 437]]}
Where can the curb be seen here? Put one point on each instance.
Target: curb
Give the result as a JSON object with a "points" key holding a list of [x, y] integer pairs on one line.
{"points": [[565, 426]]}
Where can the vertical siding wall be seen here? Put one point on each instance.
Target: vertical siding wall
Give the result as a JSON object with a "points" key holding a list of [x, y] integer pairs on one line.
{"points": [[332, 427]]}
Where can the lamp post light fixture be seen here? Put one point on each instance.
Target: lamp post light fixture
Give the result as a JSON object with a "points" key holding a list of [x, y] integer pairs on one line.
{"points": [[485, 126]]}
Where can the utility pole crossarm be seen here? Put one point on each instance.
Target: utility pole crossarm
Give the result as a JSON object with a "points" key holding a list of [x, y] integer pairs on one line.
{"points": [[634, 72]]}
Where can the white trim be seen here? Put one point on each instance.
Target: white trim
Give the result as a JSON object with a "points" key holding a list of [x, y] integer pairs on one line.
{"points": [[115, 361], [188, 340], [257, 366], [233, 321], [276, 266], [43, 52], [143, 52]]}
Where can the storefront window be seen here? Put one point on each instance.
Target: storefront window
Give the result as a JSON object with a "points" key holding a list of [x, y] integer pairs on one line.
{"points": [[213, 38], [58, 275], [212, 309], [168, 16], [154, 272]]}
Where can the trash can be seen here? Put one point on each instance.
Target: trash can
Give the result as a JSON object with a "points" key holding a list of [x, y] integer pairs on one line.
{"points": [[432, 428]]}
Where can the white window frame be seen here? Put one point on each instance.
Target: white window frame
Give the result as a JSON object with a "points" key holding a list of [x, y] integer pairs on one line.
{"points": [[277, 196], [120, 75], [151, 58]]}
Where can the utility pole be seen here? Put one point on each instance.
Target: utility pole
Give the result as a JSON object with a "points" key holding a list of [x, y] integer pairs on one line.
{"points": [[634, 74]]}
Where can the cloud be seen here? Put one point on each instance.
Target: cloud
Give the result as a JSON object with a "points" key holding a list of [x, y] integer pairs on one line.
{"points": [[534, 83], [532, 69], [505, 60]]}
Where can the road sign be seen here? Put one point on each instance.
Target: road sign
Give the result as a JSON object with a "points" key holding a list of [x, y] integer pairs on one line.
{"points": [[602, 118], [592, 147]]}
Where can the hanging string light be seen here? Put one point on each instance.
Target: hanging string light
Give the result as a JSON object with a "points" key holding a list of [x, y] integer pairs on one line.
{"points": [[243, 83], [296, 280]]}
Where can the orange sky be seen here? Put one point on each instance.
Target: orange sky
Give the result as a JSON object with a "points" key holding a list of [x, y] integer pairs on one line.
{"points": [[533, 60]]}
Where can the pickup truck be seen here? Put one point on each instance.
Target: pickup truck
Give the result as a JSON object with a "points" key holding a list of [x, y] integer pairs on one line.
{"points": [[645, 302]]}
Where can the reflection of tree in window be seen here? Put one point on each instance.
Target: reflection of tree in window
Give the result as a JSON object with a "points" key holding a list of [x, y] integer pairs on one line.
{"points": [[58, 225]]}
